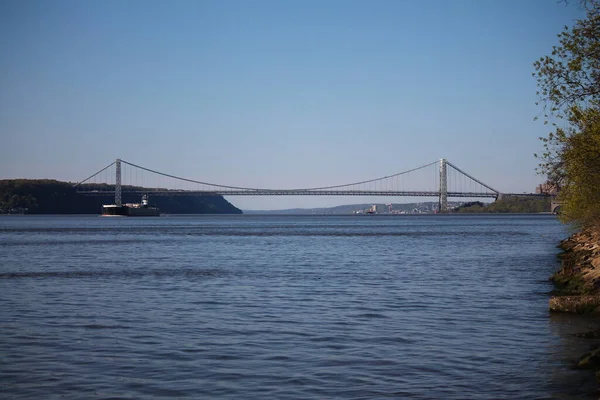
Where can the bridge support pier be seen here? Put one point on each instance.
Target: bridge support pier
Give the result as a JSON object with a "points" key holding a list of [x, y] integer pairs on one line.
{"points": [[118, 201], [443, 202]]}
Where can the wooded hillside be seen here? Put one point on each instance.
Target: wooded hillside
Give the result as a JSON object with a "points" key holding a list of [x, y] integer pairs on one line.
{"points": [[44, 196]]}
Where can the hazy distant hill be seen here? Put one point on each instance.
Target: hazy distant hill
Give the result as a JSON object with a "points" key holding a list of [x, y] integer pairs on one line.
{"points": [[509, 204], [382, 208]]}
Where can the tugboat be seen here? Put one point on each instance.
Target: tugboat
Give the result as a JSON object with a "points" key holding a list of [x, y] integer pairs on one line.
{"points": [[142, 209]]}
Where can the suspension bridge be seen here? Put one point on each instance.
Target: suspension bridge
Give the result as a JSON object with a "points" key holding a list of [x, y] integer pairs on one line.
{"points": [[440, 179]]}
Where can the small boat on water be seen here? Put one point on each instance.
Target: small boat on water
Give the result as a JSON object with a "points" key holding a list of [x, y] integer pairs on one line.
{"points": [[142, 209]]}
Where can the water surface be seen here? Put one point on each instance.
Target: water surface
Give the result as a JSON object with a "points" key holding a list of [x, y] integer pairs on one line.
{"points": [[285, 307]]}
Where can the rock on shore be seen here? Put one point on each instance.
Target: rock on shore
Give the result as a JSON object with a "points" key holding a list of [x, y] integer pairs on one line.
{"points": [[578, 281], [578, 287]]}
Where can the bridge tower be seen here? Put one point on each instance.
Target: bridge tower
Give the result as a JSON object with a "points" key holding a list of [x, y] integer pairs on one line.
{"points": [[118, 201], [443, 203]]}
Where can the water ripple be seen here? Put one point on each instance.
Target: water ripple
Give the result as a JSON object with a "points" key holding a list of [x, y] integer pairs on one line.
{"points": [[287, 308], [139, 273]]}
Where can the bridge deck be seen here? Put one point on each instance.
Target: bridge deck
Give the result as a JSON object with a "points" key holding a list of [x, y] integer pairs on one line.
{"points": [[160, 192]]}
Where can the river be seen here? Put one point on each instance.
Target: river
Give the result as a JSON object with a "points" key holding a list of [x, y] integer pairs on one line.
{"points": [[284, 307]]}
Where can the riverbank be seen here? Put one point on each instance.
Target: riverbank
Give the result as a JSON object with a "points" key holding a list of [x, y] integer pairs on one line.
{"points": [[578, 287], [578, 281]]}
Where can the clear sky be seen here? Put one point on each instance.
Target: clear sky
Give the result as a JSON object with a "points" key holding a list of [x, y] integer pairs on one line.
{"points": [[276, 94]]}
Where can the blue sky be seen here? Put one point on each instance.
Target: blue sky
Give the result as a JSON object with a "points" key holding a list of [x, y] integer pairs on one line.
{"points": [[277, 94]]}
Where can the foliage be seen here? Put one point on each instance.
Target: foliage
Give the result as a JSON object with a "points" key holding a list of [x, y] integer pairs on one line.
{"points": [[580, 192], [508, 204], [471, 207], [569, 90], [570, 75], [36, 196]]}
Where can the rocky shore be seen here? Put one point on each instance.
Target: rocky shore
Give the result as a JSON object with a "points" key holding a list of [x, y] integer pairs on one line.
{"points": [[578, 281], [578, 286]]}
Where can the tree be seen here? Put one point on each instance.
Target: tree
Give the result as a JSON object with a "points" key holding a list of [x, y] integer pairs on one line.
{"points": [[570, 76], [569, 91], [581, 154]]}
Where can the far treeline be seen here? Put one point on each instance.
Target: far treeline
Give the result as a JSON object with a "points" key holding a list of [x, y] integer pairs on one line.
{"points": [[44, 196], [508, 204], [569, 92]]}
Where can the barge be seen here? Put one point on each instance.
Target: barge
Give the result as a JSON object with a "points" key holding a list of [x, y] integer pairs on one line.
{"points": [[142, 209]]}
